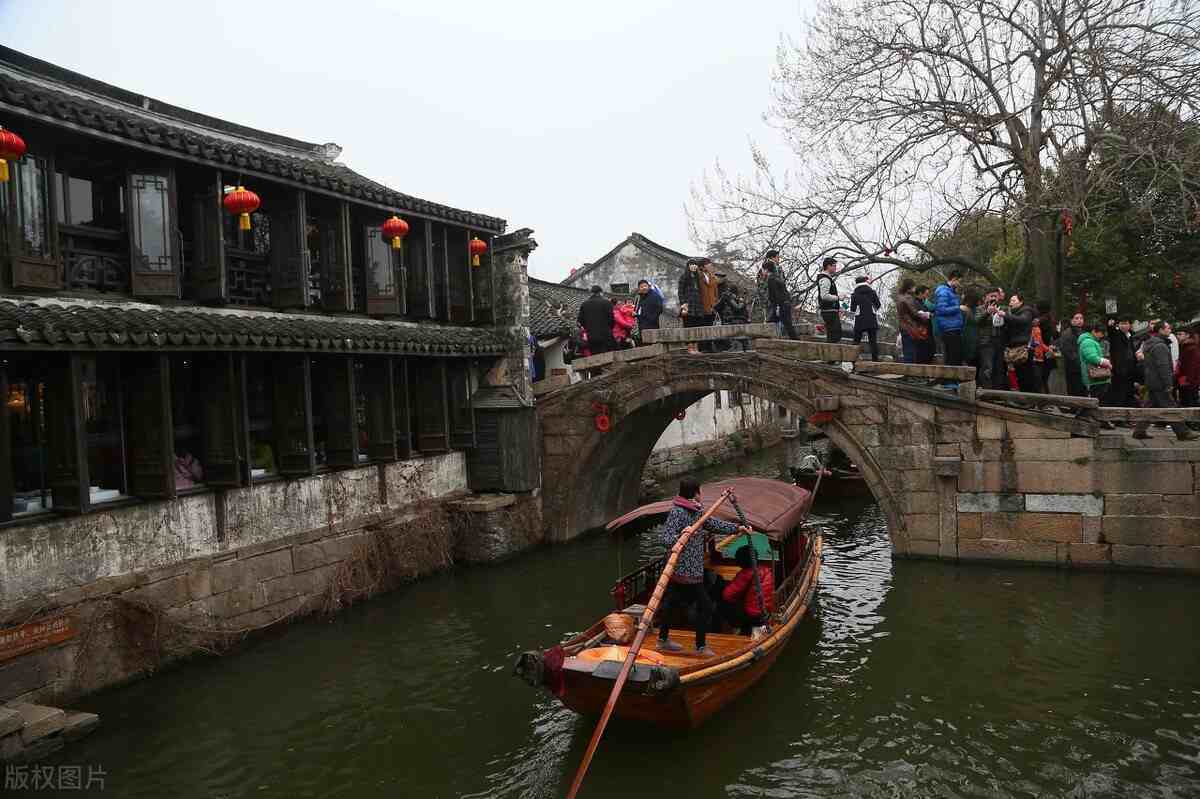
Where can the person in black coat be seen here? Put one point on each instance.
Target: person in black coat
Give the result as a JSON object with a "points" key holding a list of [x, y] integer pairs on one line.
{"points": [[864, 302], [1124, 363], [596, 317], [778, 296], [649, 307]]}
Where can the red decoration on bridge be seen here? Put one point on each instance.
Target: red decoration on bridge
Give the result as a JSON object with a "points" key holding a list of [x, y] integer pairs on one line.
{"points": [[12, 148], [395, 229], [821, 417], [478, 247], [603, 423], [242, 202], [681, 415]]}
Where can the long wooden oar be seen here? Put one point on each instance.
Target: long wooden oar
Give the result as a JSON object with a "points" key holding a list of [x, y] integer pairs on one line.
{"points": [[643, 627]]}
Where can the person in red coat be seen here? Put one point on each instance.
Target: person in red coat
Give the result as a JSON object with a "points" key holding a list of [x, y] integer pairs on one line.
{"points": [[739, 604]]}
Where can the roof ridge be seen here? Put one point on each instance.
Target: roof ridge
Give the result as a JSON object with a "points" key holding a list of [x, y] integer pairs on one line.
{"points": [[70, 79]]}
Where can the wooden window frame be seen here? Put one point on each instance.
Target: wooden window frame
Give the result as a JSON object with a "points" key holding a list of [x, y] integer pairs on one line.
{"points": [[29, 271]]}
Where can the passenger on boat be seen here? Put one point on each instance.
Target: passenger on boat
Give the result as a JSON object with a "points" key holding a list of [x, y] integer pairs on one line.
{"points": [[686, 587], [739, 600]]}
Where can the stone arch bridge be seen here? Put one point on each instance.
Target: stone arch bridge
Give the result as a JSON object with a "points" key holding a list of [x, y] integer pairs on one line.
{"points": [[957, 478]]}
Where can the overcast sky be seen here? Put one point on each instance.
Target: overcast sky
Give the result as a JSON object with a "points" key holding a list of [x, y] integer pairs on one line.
{"points": [[583, 122]]}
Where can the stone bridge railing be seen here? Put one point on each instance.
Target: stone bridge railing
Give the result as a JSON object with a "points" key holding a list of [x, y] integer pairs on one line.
{"points": [[959, 475]]}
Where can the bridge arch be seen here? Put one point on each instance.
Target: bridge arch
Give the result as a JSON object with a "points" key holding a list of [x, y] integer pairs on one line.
{"points": [[592, 476]]}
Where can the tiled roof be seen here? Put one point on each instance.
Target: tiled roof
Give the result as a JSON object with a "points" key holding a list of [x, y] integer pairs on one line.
{"points": [[84, 325], [664, 254], [553, 308], [28, 85]]}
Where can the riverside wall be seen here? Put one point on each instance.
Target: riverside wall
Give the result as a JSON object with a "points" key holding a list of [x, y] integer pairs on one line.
{"points": [[142, 585]]}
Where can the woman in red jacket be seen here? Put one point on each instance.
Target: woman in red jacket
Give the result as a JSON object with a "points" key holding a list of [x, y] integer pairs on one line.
{"points": [[739, 600]]}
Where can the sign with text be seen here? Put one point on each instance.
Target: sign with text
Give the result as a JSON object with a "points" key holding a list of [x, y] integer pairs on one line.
{"points": [[1110, 305], [17, 641]]}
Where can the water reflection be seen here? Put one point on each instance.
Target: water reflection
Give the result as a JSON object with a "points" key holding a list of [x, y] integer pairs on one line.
{"points": [[909, 679]]}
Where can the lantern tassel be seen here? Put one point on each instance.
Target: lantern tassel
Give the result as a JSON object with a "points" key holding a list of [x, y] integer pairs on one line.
{"points": [[3, 171], [243, 221], [395, 242], [474, 260]]}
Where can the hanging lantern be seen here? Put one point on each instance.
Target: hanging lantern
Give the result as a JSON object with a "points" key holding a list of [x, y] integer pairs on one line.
{"points": [[603, 423], [12, 147], [395, 229], [478, 247], [681, 416], [242, 202]]}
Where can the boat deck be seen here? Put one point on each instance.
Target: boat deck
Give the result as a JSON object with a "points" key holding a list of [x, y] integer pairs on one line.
{"points": [[723, 644]]}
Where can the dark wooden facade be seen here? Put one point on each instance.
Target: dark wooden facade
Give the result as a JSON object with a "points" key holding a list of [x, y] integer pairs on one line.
{"points": [[121, 198]]}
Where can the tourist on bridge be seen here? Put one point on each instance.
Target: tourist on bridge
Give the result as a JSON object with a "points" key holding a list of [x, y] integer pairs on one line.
{"points": [[864, 302], [649, 306], [1068, 347], [1094, 369], [596, 319], [999, 339], [1160, 379], [911, 316], [828, 302], [927, 347], [623, 319], [686, 587], [1045, 336], [985, 338], [1188, 368], [1018, 332], [949, 311], [696, 285], [733, 310], [1124, 363], [778, 296]]}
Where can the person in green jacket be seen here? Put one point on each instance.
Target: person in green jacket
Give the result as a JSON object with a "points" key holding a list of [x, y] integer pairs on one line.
{"points": [[1092, 354]]}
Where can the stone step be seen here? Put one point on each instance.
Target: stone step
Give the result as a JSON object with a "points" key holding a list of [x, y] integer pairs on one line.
{"points": [[38, 721], [10, 721], [79, 724]]}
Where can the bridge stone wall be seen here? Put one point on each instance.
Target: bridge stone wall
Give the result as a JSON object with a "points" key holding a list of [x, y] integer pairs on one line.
{"points": [[957, 480]]}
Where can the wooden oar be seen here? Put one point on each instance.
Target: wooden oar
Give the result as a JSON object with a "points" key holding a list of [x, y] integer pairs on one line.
{"points": [[643, 627]]}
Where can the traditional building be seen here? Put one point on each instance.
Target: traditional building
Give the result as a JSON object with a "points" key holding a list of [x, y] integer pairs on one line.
{"points": [[638, 258], [167, 365]]}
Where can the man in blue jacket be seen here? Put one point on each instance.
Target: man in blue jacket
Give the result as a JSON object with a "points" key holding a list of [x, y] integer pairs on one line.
{"points": [[948, 310]]}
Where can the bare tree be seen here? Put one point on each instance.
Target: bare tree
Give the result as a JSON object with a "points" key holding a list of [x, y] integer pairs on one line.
{"points": [[906, 115]]}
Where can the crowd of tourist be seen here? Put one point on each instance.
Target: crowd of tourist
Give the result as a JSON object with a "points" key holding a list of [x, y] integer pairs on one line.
{"points": [[1018, 345], [1012, 342]]}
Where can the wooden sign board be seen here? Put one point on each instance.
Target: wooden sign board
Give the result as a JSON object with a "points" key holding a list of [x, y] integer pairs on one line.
{"points": [[17, 641]]}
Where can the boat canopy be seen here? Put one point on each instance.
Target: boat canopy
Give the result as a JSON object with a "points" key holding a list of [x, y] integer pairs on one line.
{"points": [[771, 506]]}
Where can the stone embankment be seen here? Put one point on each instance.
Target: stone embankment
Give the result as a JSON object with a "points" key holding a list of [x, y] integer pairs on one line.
{"points": [[108, 628], [31, 732]]}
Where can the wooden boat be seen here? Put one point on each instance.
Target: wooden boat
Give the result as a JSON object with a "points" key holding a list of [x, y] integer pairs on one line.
{"points": [[682, 689], [837, 482]]}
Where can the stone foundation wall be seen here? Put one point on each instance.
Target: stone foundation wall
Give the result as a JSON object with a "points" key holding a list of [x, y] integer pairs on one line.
{"points": [[1039, 496], [148, 584]]}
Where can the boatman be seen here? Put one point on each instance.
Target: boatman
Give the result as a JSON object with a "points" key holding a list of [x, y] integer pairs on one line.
{"points": [[686, 587]]}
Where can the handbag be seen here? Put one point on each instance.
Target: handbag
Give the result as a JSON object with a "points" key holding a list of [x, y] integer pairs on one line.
{"points": [[1099, 373], [1017, 355]]}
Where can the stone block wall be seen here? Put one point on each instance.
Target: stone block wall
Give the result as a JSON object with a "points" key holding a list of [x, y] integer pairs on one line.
{"points": [[147, 583], [1029, 494]]}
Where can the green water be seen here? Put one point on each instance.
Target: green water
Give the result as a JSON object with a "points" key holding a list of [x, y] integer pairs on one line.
{"points": [[909, 679]]}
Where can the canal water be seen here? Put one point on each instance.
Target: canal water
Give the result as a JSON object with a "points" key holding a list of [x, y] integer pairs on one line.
{"points": [[910, 678]]}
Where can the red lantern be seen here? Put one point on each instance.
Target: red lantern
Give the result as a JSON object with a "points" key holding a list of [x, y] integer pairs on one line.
{"points": [[242, 202], [12, 147], [1068, 222], [478, 247], [603, 423], [395, 229], [681, 416]]}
